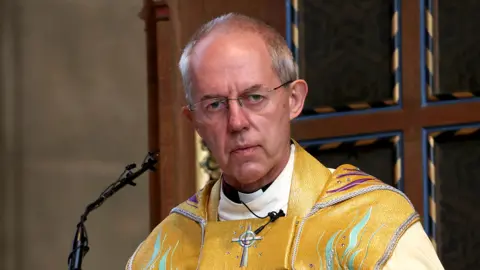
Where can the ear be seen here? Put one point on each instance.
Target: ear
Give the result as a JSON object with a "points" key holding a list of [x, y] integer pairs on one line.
{"points": [[187, 113], [299, 90]]}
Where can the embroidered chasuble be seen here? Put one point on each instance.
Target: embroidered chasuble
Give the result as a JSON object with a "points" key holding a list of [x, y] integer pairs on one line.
{"points": [[345, 219]]}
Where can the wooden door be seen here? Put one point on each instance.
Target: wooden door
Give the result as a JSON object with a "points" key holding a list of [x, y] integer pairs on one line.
{"points": [[394, 89]]}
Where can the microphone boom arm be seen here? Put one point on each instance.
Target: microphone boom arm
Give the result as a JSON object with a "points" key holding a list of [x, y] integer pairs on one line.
{"points": [[80, 241]]}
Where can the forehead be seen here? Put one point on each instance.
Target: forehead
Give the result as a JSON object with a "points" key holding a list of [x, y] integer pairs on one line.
{"points": [[227, 62]]}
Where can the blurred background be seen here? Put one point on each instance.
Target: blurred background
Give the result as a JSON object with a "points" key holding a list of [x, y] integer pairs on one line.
{"points": [[72, 114]]}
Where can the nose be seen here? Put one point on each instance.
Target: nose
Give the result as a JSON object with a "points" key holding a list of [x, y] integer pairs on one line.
{"points": [[237, 118]]}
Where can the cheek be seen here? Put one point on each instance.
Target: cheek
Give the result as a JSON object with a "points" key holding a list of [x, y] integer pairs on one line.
{"points": [[280, 124], [273, 126], [281, 116], [213, 137]]}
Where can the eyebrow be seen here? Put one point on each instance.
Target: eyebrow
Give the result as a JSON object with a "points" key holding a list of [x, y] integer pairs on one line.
{"points": [[252, 88], [210, 96], [249, 89]]}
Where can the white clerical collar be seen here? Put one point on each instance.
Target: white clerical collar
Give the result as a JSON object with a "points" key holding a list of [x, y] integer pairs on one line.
{"points": [[260, 202]]}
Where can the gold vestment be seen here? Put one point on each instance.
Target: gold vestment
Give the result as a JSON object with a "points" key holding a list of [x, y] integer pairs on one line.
{"points": [[347, 219]]}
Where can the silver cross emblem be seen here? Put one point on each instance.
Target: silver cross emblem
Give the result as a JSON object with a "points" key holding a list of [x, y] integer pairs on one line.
{"points": [[246, 240]]}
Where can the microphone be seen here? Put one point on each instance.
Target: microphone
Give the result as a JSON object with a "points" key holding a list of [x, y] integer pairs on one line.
{"points": [[80, 241], [272, 215]]}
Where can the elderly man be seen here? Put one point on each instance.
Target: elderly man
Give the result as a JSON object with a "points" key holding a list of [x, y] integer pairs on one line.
{"points": [[275, 207]]}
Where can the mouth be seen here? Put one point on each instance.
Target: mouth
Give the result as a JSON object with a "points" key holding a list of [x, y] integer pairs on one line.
{"points": [[243, 150]]}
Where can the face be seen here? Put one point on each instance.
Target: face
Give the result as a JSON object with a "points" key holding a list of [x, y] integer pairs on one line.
{"points": [[250, 147]]}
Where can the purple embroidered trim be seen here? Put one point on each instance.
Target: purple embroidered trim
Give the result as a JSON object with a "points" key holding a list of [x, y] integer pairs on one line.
{"points": [[350, 185], [193, 199], [351, 174]]}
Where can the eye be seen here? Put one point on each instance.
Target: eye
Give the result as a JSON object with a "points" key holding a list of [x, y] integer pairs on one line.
{"points": [[255, 98], [214, 105]]}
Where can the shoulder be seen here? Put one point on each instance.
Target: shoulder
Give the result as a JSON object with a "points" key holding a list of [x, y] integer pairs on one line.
{"points": [[196, 206], [352, 190], [356, 203], [350, 182]]}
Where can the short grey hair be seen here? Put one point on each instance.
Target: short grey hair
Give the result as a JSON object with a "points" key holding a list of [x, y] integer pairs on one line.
{"points": [[282, 59]]}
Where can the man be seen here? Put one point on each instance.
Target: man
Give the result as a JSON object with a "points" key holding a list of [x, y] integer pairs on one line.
{"points": [[275, 207]]}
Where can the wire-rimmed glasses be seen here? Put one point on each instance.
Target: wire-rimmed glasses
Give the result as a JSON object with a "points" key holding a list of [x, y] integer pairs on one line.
{"points": [[253, 100]]}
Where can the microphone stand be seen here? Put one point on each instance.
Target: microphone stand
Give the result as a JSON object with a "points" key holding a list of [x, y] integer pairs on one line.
{"points": [[80, 241]]}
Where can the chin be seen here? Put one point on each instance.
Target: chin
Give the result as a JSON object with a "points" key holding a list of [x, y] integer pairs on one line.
{"points": [[249, 173]]}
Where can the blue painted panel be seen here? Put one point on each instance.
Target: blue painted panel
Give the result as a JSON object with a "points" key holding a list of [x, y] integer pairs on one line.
{"points": [[294, 38], [385, 142]]}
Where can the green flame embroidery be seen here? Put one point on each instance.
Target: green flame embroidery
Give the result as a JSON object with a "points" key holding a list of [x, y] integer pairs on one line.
{"points": [[158, 258], [332, 259]]}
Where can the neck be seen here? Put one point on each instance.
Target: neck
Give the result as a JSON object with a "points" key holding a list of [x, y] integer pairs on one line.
{"points": [[264, 181]]}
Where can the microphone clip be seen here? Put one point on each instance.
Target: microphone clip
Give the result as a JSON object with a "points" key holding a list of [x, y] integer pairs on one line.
{"points": [[274, 215]]}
